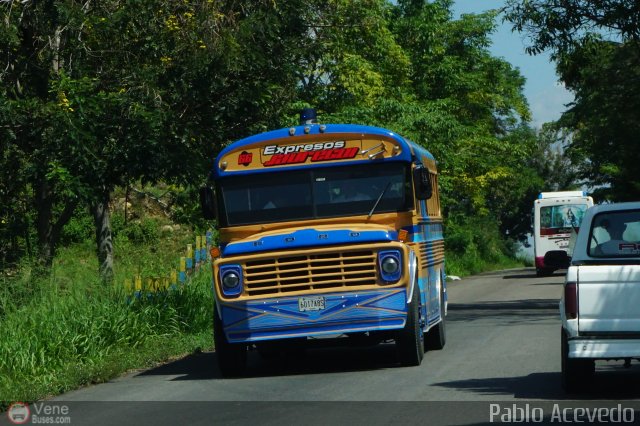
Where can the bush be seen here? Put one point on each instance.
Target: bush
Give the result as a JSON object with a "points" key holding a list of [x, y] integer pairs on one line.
{"points": [[80, 228], [474, 244], [77, 329], [141, 231]]}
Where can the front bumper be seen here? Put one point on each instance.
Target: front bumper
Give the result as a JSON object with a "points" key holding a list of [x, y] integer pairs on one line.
{"points": [[604, 348], [269, 319]]}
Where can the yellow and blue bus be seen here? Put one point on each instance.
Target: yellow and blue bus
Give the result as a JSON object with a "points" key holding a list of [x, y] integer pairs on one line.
{"points": [[326, 230]]}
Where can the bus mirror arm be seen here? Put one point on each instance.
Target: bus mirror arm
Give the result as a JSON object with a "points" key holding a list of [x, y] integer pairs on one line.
{"points": [[208, 203], [422, 183]]}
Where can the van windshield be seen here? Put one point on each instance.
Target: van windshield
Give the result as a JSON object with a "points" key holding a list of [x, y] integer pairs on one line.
{"points": [[314, 193]]}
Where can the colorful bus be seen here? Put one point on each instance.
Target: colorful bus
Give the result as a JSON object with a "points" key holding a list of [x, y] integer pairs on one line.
{"points": [[326, 230], [556, 217]]}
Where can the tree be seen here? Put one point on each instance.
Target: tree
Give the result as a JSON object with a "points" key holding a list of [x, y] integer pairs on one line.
{"points": [[596, 48], [348, 55], [146, 91], [127, 90], [551, 161], [561, 25], [432, 79], [30, 58]]}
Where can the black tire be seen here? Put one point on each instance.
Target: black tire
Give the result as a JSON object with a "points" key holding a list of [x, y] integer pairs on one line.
{"points": [[232, 357], [410, 340], [575, 373], [437, 336], [544, 272]]}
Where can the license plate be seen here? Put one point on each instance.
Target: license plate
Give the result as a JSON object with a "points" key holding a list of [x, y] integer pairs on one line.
{"points": [[316, 303]]}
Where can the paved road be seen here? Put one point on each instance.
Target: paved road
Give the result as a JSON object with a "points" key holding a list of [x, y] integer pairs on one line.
{"points": [[503, 344]]}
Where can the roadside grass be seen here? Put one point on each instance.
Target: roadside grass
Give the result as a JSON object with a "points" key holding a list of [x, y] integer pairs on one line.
{"points": [[63, 330], [475, 244], [470, 264]]}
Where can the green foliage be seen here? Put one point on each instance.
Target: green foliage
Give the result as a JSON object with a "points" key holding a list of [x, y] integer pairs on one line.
{"points": [[595, 45], [126, 93], [41, 342], [79, 229], [141, 231], [561, 25], [151, 92], [602, 120], [186, 209], [464, 106], [476, 245]]}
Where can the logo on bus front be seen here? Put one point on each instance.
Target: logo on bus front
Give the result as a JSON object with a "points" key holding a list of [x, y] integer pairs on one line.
{"points": [[245, 158], [315, 152]]}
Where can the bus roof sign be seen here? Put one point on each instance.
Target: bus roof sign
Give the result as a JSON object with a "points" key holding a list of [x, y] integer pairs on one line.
{"points": [[346, 144]]}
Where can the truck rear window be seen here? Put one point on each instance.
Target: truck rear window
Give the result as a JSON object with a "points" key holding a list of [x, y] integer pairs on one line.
{"points": [[615, 234]]}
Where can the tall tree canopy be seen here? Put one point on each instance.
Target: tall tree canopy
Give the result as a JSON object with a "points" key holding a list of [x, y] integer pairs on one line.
{"points": [[597, 49], [96, 95], [101, 94], [448, 93]]}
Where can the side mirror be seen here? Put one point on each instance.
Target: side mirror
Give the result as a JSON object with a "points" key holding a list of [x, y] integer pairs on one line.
{"points": [[422, 183], [208, 202], [557, 259]]}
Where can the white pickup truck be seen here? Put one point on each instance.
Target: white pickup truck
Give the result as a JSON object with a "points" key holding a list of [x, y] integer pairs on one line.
{"points": [[600, 305]]}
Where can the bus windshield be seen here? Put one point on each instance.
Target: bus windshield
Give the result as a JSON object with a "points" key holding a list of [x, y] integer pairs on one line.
{"points": [[314, 193], [561, 218]]}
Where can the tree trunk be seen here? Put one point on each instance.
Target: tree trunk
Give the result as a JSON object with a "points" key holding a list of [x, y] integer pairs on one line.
{"points": [[104, 241], [48, 230], [44, 205]]}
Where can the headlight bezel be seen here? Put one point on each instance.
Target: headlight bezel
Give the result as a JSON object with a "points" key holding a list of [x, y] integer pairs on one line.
{"points": [[228, 271], [388, 258]]}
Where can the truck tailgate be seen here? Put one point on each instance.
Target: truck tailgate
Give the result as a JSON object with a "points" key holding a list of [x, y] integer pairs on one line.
{"points": [[609, 299]]}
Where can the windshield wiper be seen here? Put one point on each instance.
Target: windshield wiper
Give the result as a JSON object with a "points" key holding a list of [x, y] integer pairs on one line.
{"points": [[378, 200]]}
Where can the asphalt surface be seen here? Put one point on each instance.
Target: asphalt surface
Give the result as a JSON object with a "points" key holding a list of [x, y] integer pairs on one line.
{"points": [[502, 357]]}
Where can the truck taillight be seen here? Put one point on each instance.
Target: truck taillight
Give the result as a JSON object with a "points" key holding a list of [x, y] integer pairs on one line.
{"points": [[571, 300]]}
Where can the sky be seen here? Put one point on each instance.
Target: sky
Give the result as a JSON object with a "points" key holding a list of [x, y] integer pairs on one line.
{"points": [[546, 96]]}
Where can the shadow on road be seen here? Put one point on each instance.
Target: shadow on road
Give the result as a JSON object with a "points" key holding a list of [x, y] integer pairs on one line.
{"points": [[504, 312], [529, 274], [198, 366], [525, 275], [609, 383], [552, 283], [315, 360]]}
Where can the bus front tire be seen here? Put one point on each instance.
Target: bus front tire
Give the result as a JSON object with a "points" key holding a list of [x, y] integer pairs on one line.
{"points": [[410, 340], [232, 357]]}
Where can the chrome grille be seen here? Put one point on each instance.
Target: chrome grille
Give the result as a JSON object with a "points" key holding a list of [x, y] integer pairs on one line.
{"points": [[288, 274]]}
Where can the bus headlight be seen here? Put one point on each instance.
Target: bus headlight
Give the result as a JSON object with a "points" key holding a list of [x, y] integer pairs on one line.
{"points": [[231, 279], [390, 265]]}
